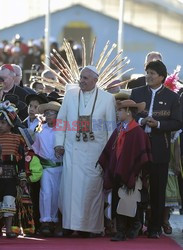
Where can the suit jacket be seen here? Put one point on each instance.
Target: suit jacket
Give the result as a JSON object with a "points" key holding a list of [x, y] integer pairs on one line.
{"points": [[167, 111], [139, 82]]}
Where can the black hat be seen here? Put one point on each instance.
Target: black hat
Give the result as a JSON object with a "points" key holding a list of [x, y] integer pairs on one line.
{"points": [[14, 99], [54, 96], [40, 97]]}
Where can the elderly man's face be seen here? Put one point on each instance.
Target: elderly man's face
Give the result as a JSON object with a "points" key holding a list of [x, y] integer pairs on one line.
{"points": [[8, 82], [152, 57], [88, 80]]}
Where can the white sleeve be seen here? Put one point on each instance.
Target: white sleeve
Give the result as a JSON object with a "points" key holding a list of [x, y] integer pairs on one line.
{"points": [[140, 121], [110, 115], [60, 131]]}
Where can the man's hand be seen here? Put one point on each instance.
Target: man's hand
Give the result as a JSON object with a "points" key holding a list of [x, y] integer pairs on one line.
{"points": [[151, 122], [59, 151], [144, 121]]}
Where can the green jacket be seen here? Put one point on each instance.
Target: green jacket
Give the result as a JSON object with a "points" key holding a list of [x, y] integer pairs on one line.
{"points": [[34, 169]]}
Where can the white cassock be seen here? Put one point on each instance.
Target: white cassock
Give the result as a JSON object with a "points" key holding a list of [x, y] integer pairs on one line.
{"points": [[81, 198]]}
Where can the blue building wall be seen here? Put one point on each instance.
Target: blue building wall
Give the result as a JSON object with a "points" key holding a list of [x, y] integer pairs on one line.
{"points": [[137, 42]]}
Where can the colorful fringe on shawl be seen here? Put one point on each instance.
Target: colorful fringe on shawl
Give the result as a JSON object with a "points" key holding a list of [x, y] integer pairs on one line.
{"points": [[24, 214]]}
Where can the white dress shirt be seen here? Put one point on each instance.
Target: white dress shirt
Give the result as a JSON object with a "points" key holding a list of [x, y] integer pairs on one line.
{"points": [[150, 113], [32, 125], [44, 143]]}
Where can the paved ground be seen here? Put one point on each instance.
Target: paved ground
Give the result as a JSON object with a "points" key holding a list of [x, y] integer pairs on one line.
{"points": [[176, 221]]}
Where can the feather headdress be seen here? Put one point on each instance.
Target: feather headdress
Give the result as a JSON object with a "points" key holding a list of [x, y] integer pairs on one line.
{"points": [[69, 73], [171, 81]]}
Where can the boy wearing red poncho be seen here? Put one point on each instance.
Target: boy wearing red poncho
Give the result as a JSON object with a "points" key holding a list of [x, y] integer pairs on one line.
{"points": [[124, 158]]}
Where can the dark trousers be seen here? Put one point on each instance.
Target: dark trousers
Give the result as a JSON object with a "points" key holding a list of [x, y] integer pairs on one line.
{"points": [[121, 223], [180, 182], [158, 182], [125, 223]]}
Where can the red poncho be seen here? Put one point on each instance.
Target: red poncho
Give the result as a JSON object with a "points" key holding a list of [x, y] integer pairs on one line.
{"points": [[125, 155]]}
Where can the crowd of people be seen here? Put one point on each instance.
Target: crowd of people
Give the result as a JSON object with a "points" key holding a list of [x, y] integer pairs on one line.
{"points": [[91, 163], [25, 54]]}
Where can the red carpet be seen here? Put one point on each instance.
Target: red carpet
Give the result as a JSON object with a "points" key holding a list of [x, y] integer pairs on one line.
{"points": [[104, 243]]}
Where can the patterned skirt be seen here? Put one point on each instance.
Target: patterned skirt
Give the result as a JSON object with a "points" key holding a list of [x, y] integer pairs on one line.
{"points": [[23, 218], [172, 191]]}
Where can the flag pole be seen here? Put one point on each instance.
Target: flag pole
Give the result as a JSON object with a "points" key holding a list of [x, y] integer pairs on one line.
{"points": [[120, 28], [47, 33], [120, 25]]}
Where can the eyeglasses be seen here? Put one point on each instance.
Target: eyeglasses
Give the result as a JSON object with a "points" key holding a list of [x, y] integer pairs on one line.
{"points": [[49, 113]]}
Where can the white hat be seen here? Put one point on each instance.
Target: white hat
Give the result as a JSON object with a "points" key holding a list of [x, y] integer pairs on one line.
{"points": [[92, 68]]}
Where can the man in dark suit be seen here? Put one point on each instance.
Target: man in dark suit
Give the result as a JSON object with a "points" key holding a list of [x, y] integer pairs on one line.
{"points": [[161, 116], [141, 81], [8, 75]]}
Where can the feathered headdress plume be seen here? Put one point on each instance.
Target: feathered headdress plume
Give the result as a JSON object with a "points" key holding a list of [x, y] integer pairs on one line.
{"points": [[69, 73]]}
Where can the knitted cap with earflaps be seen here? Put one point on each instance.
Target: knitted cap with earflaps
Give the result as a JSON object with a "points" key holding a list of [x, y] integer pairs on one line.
{"points": [[8, 113]]}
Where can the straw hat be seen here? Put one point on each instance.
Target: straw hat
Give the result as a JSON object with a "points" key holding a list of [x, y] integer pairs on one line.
{"points": [[122, 95], [49, 106], [131, 104]]}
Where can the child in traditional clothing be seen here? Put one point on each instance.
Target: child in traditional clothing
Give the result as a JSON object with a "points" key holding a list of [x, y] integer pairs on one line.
{"points": [[27, 216], [33, 101], [172, 189], [172, 198], [123, 160], [50, 181], [12, 165], [33, 122]]}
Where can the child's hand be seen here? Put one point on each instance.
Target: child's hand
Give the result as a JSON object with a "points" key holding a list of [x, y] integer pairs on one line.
{"points": [[59, 151]]}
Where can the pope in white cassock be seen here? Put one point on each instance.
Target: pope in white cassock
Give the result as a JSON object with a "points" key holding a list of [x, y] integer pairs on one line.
{"points": [[81, 198]]}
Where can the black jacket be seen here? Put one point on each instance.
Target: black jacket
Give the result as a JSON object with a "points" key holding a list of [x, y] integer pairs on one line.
{"points": [[167, 111], [139, 82]]}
